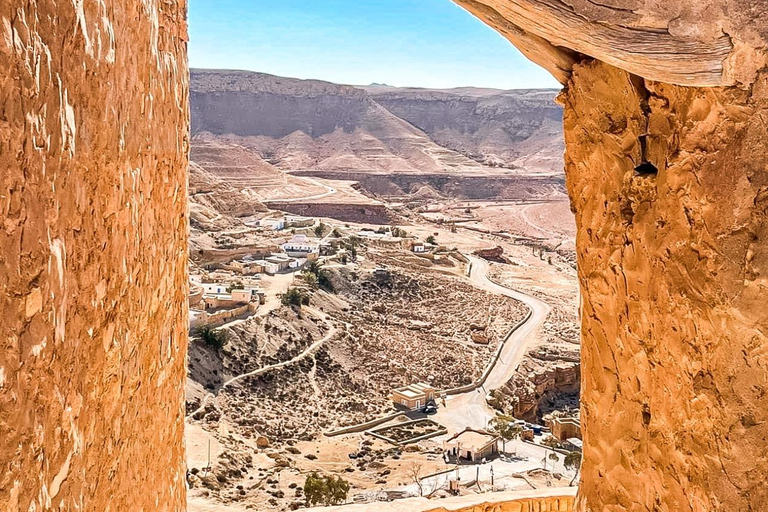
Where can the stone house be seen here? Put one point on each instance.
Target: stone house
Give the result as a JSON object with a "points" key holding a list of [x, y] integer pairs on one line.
{"points": [[472, 445], [413, 396]]}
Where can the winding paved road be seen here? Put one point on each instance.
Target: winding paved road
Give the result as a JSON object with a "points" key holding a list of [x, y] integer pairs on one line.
{"points": [[470, 409]]}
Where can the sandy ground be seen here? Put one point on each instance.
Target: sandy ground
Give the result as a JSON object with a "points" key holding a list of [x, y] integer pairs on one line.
{"points": [[545, 277]]}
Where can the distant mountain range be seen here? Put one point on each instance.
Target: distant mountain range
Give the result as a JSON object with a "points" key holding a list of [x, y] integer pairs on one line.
{"points": [[316, 126]]}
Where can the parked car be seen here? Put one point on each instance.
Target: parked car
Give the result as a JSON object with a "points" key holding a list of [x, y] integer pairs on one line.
{"points": [[430, 408]]}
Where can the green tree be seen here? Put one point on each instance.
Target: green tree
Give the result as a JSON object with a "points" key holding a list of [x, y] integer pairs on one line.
{"points": [[573, 461], [554, 458], [325, 490], [321, 275], [294, 297], [431, 240], [551, 442], [212, 337], [319, 229], [399, 232], [309, 278], [506, 428]]}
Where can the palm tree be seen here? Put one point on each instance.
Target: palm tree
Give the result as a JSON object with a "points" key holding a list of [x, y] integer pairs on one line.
{"points": [[573, 461]]}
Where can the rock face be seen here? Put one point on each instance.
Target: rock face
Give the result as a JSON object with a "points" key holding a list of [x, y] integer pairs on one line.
{"points": [[673, 267], [93, 255], [703, 43]]}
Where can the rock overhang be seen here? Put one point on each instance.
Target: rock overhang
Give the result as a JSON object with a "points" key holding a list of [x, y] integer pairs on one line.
{"points": [[704, 44]]}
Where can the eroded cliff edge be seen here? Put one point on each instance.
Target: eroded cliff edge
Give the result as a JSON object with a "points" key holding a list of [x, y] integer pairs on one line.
{"points": [[672, 261], [93, 255]]}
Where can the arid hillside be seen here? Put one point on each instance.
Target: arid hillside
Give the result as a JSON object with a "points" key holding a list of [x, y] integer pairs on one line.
{"points": [[310, 125], [518, 129]]}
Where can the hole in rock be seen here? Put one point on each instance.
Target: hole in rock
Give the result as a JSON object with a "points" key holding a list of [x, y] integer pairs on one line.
{"points": [[646, 169]]}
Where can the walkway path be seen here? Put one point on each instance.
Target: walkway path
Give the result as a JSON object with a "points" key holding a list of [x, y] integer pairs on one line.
{"points": [[329, 191], [470, 409], [264, 369]]}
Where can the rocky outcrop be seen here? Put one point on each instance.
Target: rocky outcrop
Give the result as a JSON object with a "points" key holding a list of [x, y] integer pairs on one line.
{"points": [[705, 43], [670, 189], [93, 255]]}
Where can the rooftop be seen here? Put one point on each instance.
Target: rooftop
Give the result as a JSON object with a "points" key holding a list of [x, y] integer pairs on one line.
{"points": [[473, 439]]}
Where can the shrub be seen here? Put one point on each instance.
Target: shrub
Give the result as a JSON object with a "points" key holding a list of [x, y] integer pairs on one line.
{"points": [[212, 337], [325, 490], [294, 297]]}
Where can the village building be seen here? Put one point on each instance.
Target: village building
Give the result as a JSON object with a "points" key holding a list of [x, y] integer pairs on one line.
{"points": [[301, 246], [472, 445], [275, 223], [418, 247], [213, 288], [573, 444], [564, 427], [414, 396], [268, 267], [282, 261]]}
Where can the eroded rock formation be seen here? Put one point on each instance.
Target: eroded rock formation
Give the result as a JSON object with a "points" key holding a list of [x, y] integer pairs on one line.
{"points": [[669, 185], [673, 270], [703, 43], [93, 255]]}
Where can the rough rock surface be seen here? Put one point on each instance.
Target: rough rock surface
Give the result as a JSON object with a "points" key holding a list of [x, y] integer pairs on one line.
{"points": [[702, 43], [93, 197], [673, 269]]}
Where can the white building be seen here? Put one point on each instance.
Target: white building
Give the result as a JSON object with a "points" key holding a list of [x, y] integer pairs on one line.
{"points": [[214, 288], [300, 245], [276, 223], [268, 266]]}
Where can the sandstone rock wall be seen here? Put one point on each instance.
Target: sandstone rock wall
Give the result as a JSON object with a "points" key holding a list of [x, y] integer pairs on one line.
{"points": [[673, 268], [93, 159]]}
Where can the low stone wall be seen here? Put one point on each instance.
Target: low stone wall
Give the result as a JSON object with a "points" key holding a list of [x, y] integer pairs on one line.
{"points": [[558, 499], [221, 317]]}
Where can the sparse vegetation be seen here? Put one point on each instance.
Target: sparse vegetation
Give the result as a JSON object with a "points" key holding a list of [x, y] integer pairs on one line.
{"points": [[325, 490], [295, 297], [573, 461], [211, 337], [506, 428]]}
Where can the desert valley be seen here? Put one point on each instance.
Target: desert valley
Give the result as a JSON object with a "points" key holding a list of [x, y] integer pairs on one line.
{"points": [[377, 274]]}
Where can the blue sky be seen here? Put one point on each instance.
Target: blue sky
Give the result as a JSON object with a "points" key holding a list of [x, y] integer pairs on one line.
{"points": [[423, 43]]}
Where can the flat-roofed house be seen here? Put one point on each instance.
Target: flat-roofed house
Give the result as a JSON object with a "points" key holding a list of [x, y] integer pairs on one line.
{"points": [[301, 246], [474, 445], [564, 428], [414, 396]]}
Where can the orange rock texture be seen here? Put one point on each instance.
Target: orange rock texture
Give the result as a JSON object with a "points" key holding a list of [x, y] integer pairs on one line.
{"points": [[673, 266], [93, 255]]}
